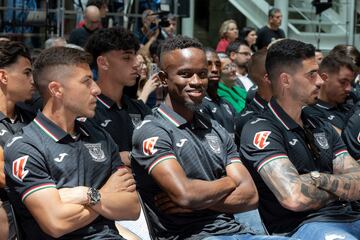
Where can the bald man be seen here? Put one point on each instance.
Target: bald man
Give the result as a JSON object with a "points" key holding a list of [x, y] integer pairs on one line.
{"points": [[92, 18]]}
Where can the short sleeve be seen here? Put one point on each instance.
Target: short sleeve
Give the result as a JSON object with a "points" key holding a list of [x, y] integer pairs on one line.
{"points": [[351, 135], [151, 145], [25, 168], [261, 143]]}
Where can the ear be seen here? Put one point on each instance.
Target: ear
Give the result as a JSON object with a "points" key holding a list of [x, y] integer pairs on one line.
{"points": [[285, 80], [232, 56], [102, 63], [3, 76], [55, 89], [324, 76], [163, 78]]}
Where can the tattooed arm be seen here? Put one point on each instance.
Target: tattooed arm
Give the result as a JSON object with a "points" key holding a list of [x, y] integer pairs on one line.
{"points": [[291, 190], [345, 182]]}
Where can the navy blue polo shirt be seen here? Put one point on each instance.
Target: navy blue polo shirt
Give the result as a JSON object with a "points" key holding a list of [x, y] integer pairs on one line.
{"points": [[119, 122], [276, 135], [45, 156], [203, 149], [351, 135], [221, 111], [337, 116]]}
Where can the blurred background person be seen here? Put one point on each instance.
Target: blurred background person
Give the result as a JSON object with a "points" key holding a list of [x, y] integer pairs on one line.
{"points": [[248, 35], [228, 33]]}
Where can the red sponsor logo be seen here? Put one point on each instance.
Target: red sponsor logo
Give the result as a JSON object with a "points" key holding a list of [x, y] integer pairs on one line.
{"points": [[18, 168], [149, 146], [260, 139]]}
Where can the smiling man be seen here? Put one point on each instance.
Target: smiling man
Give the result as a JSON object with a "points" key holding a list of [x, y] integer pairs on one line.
{"points": [[186, 166]]}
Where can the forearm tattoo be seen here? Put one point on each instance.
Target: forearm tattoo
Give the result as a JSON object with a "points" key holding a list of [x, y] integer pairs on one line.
{"points": [[285, 182]]}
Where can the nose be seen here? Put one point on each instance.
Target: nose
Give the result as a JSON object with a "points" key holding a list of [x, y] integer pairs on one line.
{"points": [[213, 68], [319, 81], [195, 80], [95, 90], [348, 87]]}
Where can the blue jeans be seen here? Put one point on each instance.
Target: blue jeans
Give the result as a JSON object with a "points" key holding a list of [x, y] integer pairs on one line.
{"points": [[247, 237], [251, 219], [329, 230]]}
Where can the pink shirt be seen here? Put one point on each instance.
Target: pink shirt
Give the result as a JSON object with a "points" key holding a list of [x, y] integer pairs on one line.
{"points": [[222, 45]]}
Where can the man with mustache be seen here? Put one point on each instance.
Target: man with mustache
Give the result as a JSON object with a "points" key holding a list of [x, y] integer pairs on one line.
{"points": [[338, 73], [186, 166], [64, 176], [307, 180]]}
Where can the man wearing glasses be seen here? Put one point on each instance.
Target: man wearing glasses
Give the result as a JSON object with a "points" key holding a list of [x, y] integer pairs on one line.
{"points": [[240, 54], [307, 181]]}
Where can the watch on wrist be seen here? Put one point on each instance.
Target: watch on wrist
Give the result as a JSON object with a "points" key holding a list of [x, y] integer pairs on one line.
{"points": [[94, 196], [315, 176]]}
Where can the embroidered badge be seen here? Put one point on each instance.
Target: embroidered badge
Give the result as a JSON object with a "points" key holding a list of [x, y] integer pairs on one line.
{"points": [[321, 139], [135, 119], [18, 168], [214, 143], [260, 139], [149, 146], [95, 151]]}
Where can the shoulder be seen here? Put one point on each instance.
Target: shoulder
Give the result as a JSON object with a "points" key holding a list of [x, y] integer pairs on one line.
{"points": [[138, 104]]}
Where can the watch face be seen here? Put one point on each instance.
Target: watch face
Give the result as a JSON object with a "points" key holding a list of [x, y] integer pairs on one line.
{"points": [[94, 196], [315, 174]]}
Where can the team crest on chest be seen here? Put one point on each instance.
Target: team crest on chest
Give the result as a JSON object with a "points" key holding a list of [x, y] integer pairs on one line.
{"points": [[135, 119], [95, 151], [260, 139], [214, 143], [321, 140]]}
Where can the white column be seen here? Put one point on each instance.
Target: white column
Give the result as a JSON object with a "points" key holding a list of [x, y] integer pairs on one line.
{"points": [[283, 5], [187, 24]]}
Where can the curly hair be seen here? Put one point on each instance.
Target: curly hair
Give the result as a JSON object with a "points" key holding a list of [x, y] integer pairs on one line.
{"points": [[10, 51], [109, 39]]}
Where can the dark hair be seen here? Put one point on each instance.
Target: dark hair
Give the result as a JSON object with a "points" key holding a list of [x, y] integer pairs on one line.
{"points": [[10, 51], [54, 57], [333, 62], [97, 3], [272, 11], [209, 49], [234, 46], [348, 50], [244, 32], [109, 39], [287, 55], [180, 42]]}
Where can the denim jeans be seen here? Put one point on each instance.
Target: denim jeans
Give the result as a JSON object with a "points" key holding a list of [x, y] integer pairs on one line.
{"points": [[248, 237], [329, 231], [252, 220]]}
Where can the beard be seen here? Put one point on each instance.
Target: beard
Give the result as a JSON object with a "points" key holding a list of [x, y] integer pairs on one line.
{"points": [[192, 106]]}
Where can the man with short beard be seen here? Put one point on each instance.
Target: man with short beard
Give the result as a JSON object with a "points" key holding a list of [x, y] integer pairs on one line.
{"points": [[215, 107], [186, 166]]}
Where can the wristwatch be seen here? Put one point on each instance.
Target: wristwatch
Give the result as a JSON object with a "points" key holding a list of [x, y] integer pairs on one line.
{"points": [[315, 176], [94, 196]]}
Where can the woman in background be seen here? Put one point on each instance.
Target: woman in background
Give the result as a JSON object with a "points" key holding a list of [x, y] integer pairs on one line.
{"points": [[248, 35], [228, 32]]}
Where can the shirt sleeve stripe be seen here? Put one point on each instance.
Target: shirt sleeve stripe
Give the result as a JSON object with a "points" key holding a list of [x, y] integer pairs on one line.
{"points": [[270, 159], [35, 189], [157, 161], [234, 160], [340, 152]]}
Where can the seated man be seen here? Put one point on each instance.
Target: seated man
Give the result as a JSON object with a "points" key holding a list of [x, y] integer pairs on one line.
{"points": [[351, 134], [186, 166], [306, 179], [16, 86], [215, 107], [65, 177], [338, 73]]}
